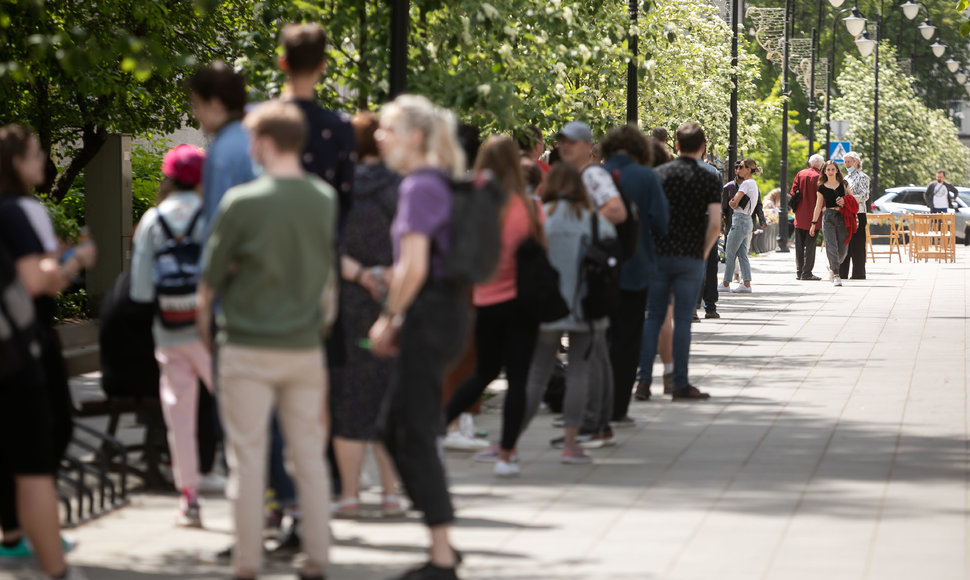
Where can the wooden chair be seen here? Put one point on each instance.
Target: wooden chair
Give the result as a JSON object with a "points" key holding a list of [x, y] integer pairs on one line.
{"points": [[903, 225], [892, 237], [934, 237]]}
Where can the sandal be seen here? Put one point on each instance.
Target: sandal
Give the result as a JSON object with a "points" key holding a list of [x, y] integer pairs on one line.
{"points": [[346, 508], [392, 507]]}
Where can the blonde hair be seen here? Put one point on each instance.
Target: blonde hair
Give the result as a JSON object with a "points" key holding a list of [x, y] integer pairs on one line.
{"points": [[438, 126]]}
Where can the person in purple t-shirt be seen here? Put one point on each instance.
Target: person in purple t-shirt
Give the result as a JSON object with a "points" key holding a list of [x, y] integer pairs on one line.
{"points": [[425, 318]]}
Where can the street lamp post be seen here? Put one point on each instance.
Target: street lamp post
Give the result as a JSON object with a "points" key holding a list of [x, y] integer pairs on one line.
{"points": [[400, 15], [733, 131], [856, 24], [631, 67], [828, 82], [783, 223]]}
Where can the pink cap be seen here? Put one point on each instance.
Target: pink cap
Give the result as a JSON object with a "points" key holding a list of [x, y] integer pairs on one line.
{"points": [[184, 164]]}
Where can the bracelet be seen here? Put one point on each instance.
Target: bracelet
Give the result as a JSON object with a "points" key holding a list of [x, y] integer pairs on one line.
{"points": [[815, 222]]}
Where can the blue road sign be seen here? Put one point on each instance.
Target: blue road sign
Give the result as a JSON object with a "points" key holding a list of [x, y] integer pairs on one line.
{"points": [[838, 149]]}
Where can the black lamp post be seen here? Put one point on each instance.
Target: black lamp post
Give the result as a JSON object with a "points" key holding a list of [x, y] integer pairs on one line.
{"points": [[400, 17], [631, 67], [816, 49], [856, 24], [828, 81], [783, 223], [733, 131]]}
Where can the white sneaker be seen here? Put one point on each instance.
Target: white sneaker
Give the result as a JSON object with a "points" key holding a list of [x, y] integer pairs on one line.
{"points": [[466, 425], [458, 441], [741, 289], [212, 483], [722, 287], [505, 469], [837, 281]]}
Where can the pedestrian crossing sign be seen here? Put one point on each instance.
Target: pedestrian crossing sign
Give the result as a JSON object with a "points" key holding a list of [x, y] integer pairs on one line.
{"points": [[838, 149]]}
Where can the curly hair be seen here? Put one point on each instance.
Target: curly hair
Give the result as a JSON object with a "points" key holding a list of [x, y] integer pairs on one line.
{"points": [[630, 139]]}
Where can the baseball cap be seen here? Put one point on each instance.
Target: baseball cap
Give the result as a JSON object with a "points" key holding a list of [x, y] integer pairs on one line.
{"points": [[184, 164], [577, 131]]}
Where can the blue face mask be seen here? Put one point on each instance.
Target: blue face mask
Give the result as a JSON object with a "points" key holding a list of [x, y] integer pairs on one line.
{"points": [[850, 170]]}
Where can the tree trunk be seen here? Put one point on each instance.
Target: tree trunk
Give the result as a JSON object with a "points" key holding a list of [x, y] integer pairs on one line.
{"points": [[45, 132], [91, 141]]}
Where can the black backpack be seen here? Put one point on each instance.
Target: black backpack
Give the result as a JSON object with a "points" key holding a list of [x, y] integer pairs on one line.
{"points": [[628, 231], [176, 274], [18, 339], [599, 275], [476, 228]]}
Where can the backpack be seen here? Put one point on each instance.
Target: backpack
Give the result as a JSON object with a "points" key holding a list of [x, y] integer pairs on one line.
{"points": [[627, 231], [599, 275], [476, 228], [176, 274], [18, 341]]}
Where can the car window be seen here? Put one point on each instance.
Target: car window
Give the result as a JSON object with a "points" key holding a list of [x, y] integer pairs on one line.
{"points": [[964, 197], [911, 197]]}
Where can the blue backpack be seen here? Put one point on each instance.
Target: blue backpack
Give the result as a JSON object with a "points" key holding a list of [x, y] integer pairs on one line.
{"points": [[176, 274]]}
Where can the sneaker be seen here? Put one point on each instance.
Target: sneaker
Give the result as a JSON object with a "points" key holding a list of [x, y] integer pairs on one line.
{"points": [[345, 508], [643, 391], [458, 441], [741, 289], [189, 515], [724, 287], [837, 281], [696, 318], [690, 393], [73, 574], [597, 441], [560, 442], [668, 383], [490, 455], [289, 542], [19, 551], [429, 572], [212, 483], [624, 422], [711, 314], [466, 425], [810, 278], [505, 469], [575, 456], [559, 422]]}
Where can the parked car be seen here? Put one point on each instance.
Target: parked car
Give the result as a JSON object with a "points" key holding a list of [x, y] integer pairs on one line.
{"points": [[909, 199]]}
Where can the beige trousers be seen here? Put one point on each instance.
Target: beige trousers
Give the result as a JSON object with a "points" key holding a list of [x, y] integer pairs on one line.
{"points": [[251, 382]]}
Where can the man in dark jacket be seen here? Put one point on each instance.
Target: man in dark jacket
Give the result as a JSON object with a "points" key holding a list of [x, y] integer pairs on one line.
{"points": [[626, 152], [940, 195]]}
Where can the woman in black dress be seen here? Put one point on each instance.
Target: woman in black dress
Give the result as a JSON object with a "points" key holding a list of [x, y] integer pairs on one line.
{"points": [[358, 387]]}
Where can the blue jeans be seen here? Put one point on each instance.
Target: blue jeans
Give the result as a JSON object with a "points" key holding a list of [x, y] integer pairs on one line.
{"points": [[679, 278], [736, 247]]}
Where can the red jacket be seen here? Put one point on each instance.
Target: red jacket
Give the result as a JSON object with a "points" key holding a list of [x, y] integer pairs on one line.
{"points": [[806, 182], [850, 213]]}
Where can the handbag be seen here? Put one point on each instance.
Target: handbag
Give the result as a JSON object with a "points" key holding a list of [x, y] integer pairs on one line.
{"points": [[795, 199], [537, 281]]}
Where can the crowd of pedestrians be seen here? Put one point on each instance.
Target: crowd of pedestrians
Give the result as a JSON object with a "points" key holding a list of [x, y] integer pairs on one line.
{"points": [[303, 267]]}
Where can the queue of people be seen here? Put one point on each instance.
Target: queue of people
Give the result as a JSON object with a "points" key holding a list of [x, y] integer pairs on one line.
{"points": [[303, 269]]}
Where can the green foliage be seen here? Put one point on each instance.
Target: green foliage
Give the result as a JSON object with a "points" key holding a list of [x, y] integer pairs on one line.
{"points": [[73, 305], [65, 220], [914, 141], [768, 155], [146, 175]]}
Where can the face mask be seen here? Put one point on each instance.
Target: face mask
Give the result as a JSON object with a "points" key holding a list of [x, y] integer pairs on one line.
{"points": [[851, 170]]}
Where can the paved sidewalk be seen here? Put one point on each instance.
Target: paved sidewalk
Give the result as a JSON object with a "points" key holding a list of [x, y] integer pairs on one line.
{"points": [[835, 446]]}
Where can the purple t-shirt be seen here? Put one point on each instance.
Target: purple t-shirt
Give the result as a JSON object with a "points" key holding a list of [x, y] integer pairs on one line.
{"points": [[424, 207]]}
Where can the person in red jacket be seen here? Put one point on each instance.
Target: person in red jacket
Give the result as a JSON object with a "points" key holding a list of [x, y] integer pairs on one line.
{"points": [[806, 182]]}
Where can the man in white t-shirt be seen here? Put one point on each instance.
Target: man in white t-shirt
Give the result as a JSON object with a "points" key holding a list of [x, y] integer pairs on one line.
{"points": [[576, 147], [940, 194]]}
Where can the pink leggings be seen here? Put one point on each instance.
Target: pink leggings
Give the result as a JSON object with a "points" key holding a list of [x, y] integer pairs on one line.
{"points": [[181, 369]]}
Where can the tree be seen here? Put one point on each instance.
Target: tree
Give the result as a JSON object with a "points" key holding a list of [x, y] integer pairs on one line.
{"points": [[914, 141], [689, 75], [77, 71]]}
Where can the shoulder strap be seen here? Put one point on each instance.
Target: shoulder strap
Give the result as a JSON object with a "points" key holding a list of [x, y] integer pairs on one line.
{"points": [[594, 218], [165, 227], [192, 222], [188, 229]]}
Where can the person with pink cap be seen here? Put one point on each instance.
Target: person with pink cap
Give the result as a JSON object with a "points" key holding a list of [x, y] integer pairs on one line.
{"points": [[164, 270]]}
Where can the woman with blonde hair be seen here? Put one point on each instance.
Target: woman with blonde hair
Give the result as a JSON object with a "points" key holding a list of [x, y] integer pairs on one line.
{"points": [[424, 318]]}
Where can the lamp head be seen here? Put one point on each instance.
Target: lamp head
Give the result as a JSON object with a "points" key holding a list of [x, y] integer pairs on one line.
{"points": [[865, 44], [927, 29], [855, 23], [953, 65], [939, 49], [968, 88], [836, 3], [961, 78], [910, 10]]}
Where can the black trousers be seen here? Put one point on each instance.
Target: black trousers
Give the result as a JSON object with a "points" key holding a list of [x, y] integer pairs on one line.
{"points": [[625, 336], [411, 420], [857, 253], [51, 380], [709, 290], [805, 250], [505, 337]]}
